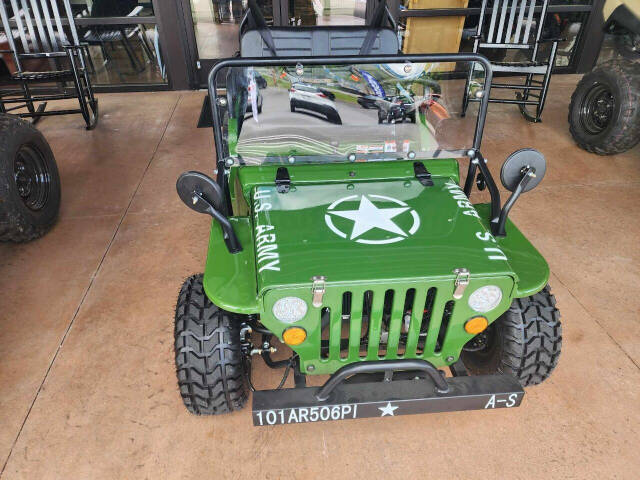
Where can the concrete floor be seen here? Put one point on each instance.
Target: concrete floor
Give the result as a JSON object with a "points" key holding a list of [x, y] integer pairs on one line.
{"points": [[87, 386]]}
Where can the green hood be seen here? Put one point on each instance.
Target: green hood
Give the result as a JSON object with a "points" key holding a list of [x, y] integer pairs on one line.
{"points": [[363, 232]]}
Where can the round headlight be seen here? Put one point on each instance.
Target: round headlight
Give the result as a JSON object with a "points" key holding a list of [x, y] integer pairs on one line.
{"points": [[289, 309], [485, 298]]}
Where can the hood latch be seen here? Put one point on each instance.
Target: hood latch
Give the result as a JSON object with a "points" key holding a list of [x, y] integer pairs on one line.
{"points": [[318, 287], [461, 282]]}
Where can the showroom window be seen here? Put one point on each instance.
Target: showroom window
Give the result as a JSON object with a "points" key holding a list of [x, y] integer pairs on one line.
{"points": [[123, 40], [160, 44], [456, 20]]}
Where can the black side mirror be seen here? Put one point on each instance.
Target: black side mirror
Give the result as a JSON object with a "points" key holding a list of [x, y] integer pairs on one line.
{"points": [[521, 172], [513, 169], [199, 192], [202, 194]]}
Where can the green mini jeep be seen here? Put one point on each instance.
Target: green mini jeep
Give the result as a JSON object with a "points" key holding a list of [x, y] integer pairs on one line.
{"points": [[353, 248]]}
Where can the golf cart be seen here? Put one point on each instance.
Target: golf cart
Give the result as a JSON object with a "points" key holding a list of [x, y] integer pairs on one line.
{"points": [[355, 249], [604, 114], [29, 181]]}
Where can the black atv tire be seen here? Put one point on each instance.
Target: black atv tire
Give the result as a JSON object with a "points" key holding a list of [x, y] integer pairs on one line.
{"points": [[615, 127], [524, 342], [209, 363], [29, 182]]}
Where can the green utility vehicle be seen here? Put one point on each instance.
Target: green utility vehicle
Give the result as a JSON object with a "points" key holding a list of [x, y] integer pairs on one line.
{"points": [[604, 115], [355, 248]]}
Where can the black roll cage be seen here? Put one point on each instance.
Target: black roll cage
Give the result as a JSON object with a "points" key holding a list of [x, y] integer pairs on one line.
{"points": [[476, 162]]}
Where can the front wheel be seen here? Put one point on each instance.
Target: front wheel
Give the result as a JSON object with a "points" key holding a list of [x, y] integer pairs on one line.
{"points": [[604, 114], [524, 342], [209, 364]]}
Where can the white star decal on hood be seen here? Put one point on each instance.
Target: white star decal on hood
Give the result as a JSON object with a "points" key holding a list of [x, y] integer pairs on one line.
{"points": [[368, 216]]}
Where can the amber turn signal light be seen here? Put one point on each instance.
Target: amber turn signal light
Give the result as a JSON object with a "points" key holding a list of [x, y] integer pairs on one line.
{"points": [[476, 325], [294, 335]]}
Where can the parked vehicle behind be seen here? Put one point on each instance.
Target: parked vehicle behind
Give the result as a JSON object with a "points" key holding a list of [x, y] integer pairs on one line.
{"points": [[314, 99], [604, 114], [29, 182]]}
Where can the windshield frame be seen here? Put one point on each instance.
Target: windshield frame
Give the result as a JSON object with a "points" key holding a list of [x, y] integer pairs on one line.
{"points": [[344, 60]]}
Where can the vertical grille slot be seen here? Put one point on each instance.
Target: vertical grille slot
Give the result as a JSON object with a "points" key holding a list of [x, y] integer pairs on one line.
{"points": [[345, 324], [386, 322], [425, 320], [394, 324], [444, 325], [325, 328], [375, 325], [407, 318], [367, 303]]}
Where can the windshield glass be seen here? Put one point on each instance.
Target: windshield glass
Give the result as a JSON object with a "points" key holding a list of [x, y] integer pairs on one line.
{"points": [[359, 112]]}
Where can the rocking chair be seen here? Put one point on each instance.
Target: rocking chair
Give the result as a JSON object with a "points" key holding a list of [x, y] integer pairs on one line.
{"points": [[38, 26], [510, 28]]}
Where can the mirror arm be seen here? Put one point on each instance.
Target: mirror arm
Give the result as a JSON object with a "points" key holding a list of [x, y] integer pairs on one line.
{"points": [[223, 182], [471, 175], [527, 175], [229, 235], [478, 160], [230, 238]]}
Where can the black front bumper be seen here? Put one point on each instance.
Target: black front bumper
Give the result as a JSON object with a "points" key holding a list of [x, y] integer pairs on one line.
{"points": [[346, 399]]}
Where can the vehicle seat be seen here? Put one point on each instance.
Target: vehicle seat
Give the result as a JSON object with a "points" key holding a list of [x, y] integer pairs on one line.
{"points": [[259, 40], [318, 41]]}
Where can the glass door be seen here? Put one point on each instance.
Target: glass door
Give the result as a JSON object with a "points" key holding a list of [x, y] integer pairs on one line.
{"points": [[217, 25], [216, 29], [123, 40]]}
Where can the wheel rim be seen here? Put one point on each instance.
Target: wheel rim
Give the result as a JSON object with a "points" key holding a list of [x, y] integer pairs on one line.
{"points": [[596, 109], [32, 177]]}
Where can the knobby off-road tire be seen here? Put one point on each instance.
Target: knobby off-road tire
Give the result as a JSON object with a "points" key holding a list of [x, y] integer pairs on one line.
{"points": [[618, 80], [524, 342], [29, 182], [208, 357]]}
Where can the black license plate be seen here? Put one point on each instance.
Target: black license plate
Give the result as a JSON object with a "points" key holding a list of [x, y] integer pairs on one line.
{"points": [[385, 399]]}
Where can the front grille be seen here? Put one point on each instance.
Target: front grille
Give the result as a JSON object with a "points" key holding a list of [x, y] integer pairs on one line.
{"points": [[384, 324], [383, 321]]}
